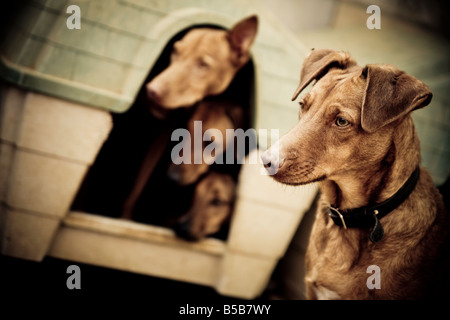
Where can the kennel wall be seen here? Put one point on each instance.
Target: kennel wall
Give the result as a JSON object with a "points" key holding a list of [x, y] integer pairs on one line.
{"points": [[59, 89]]}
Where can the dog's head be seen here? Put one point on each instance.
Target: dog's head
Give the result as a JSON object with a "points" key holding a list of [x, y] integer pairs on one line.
{"points": [[203, 63], [346, 121], [211, 207], [209, 135]]}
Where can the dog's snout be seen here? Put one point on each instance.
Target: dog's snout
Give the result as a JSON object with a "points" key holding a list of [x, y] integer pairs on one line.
{"points": [[183, 230], [174, 173], [272, 160], [154, 91]]}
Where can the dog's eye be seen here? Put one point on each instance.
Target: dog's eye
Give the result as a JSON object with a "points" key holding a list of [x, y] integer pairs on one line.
{"points": [[300, 110], [202, 63], [342, 122]]}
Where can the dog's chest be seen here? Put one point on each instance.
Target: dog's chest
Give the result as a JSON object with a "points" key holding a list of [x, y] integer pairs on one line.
{"points": [[333, 258], [323, 293]]}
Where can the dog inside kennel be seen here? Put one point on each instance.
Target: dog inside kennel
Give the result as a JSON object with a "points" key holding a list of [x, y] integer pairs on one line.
{"points": [[163, 201]]}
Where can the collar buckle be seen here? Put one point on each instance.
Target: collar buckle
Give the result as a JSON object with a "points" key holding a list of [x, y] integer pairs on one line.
{"points": [[340, 216]]}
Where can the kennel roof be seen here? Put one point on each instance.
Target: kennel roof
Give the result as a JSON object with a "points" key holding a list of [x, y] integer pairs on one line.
{"points": [[105, 63]]}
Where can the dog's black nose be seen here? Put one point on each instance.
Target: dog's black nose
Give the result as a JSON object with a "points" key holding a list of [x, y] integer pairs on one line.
{"points": [[182, 230], [272, 161]]}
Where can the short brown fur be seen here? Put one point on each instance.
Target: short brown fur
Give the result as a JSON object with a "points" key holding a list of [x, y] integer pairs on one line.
{"points": [[356, 138], [217, 117], [212, 206], [203, 63]]}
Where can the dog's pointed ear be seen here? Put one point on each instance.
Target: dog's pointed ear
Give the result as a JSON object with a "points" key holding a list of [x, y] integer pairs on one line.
{"points": [[390, 94], [317, 64], [242, 35]]}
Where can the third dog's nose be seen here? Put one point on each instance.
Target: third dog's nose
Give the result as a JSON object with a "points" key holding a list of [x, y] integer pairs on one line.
{"points": [[272, 161], [182, 229]]}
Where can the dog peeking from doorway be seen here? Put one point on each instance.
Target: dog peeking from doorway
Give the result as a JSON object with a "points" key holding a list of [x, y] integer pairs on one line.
{"points": [[124, 180], [209, 59]]}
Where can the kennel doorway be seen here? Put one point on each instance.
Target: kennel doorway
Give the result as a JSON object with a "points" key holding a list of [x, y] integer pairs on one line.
{"points": [[58, 102], [112, 175]]}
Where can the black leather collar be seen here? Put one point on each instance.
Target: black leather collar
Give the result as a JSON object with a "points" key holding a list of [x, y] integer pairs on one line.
{"points": [[368, 217]]}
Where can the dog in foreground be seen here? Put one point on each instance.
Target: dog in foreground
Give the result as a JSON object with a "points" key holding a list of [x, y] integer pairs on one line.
{"points": [[378, 206]]}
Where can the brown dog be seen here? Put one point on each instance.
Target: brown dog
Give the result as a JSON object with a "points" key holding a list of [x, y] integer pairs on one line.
{"points": [[209, 122], [211, 207], [203, 63], [379, 211]]}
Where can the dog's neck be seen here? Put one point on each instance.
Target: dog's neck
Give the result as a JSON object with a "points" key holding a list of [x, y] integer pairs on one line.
{"points": [[380, 181]]}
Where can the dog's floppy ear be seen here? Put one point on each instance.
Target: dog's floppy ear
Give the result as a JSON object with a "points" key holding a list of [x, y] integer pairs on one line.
{"points": [[242, 35], [317, 64], [390, 94]]}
